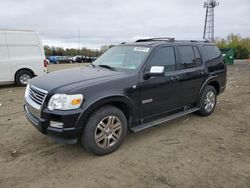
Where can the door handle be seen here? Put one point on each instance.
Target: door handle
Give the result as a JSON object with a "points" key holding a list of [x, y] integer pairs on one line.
{"points": [[203, 72], [175, 78]]}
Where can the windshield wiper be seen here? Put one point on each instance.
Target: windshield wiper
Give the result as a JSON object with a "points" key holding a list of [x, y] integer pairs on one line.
{"points": [[92, 65], [107, 66]]}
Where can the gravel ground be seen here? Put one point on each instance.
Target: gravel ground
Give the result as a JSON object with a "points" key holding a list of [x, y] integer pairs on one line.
{"points": [[187, 152]]}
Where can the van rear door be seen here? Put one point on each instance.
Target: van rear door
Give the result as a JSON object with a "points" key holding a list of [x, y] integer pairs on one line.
{"points": [[5, 68]]}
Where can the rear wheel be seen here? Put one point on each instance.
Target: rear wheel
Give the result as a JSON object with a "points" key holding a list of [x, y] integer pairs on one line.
{"points": [[23, 77], [105, 130], [208, 101]]}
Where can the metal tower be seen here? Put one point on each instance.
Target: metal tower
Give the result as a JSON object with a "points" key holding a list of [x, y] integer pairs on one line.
{"points": [[209, 20]]}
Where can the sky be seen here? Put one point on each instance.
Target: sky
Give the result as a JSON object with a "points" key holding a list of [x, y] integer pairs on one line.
{"points": [[103, 22]]}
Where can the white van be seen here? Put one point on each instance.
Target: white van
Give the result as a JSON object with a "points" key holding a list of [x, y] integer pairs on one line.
{"points": [[21, 56]]}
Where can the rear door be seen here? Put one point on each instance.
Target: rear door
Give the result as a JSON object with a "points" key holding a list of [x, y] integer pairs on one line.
{"points": [[192, 73], [160, 94], [5, 68]]}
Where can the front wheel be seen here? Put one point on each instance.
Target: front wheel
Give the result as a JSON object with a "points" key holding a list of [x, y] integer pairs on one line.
{"points": [[104, 131], [208, 101]]}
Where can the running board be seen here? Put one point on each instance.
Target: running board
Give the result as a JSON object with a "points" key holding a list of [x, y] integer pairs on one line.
{"points": [[163, 120]]}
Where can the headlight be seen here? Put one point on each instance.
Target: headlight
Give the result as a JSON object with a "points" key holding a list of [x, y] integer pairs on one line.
{"points": [[27, 91], [65, 102]]}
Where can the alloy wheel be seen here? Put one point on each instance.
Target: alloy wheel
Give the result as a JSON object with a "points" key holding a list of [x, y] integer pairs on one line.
{"points": [[108, 132], [210, 101]]}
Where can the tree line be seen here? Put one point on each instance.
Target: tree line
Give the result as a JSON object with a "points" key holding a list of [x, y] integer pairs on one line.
{"points": [[240, 45], [58, 51]]}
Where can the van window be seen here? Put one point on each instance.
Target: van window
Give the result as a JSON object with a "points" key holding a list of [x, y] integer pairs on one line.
{"points": [[212, 52], [187, 57], [164, 56]]}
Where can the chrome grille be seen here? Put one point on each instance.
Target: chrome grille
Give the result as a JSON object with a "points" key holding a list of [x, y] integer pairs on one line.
{"points": [[37, 95]]}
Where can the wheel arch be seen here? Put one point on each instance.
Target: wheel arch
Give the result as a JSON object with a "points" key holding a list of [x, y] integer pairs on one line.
{"points": [[121, 102], [213, 82], [23, 69]]}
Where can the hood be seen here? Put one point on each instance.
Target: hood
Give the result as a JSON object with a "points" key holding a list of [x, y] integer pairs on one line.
{"points": [[81, 75]]}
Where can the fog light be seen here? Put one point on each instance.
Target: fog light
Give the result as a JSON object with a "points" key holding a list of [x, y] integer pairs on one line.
{"points": [[56, 124]]}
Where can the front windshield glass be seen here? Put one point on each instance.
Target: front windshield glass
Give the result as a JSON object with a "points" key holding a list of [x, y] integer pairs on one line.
{"points": [[123, 57]]}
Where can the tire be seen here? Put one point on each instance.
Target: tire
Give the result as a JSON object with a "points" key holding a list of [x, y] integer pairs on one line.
{"points": [[22, 77], [101, 138], [208, 101]]}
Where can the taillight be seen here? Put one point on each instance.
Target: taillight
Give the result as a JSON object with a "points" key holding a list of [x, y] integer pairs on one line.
{"points": [[45, 63]]}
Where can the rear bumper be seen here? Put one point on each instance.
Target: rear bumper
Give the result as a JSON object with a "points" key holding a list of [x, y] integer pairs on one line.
{"points": [[67, 135]]}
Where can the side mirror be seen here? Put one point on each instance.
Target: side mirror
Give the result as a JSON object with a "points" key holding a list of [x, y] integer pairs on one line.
{"points": [[155, 71]]}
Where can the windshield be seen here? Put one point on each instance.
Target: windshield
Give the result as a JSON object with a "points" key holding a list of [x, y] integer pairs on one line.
{"points": [[123, 57]]}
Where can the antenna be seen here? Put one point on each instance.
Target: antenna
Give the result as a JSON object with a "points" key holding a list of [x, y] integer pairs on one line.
{"points": [[209, 19], [79, 39]]}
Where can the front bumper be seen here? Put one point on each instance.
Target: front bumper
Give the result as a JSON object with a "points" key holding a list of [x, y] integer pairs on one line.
{"points": [[69, 134]]}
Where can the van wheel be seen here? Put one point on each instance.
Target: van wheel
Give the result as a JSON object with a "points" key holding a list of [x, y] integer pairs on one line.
{"points": [[207, 101], [105, 131], [23, 77]]}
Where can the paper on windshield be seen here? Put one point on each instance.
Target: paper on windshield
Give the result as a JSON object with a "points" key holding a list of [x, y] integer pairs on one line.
{"points": [[141, 49]]}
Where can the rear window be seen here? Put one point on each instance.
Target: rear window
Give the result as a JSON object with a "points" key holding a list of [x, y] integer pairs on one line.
{"points": [[212, 52], [190, 57]]}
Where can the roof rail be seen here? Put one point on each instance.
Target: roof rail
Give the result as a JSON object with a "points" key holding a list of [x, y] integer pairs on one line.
{"points": [[167, 39], [202, 40]]}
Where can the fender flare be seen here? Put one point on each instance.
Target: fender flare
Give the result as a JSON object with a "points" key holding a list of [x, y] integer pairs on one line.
{"points": [[208, 80], [106, 100]]}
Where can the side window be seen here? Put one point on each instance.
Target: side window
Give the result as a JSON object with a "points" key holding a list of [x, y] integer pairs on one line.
{"points": [[164, 56], [212, 52], [197, 56], [190, 57]]}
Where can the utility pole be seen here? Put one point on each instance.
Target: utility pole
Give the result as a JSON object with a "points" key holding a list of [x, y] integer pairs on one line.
{"points": [[209, 20]]}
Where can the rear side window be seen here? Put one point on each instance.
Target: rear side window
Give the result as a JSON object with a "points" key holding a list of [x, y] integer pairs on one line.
{"points": [[187, 57], [212, 52], [164, 56], [197, 56]]}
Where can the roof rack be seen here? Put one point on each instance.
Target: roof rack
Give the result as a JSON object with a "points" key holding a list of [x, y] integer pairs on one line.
{"points": [[202, 40], [167, 39]]}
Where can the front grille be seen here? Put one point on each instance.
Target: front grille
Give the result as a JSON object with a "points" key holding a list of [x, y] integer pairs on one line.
{"points": [[37, 95]]}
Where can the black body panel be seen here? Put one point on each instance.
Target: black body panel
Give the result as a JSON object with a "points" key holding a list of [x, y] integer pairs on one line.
{"points": [[139, 98]]}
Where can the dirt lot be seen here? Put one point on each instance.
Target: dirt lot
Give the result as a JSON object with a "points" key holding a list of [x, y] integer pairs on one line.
{"points": [[188, 152]]}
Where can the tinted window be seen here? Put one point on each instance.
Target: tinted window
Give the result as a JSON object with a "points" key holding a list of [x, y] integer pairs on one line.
{"points": [[212, 52], [197, 56], [164, 56], [187, 57]]}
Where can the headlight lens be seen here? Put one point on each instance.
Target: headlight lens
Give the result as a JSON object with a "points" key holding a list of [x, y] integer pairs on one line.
{"points": [[65, 102]]}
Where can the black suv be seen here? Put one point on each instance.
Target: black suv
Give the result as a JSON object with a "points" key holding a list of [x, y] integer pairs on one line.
{"points": [[130, 87]]}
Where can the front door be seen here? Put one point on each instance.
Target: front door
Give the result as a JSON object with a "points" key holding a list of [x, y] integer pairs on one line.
{"points": [[160, 94]]}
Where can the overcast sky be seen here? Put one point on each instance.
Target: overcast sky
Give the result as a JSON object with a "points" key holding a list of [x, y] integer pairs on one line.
{"points": [[113, 21]]}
